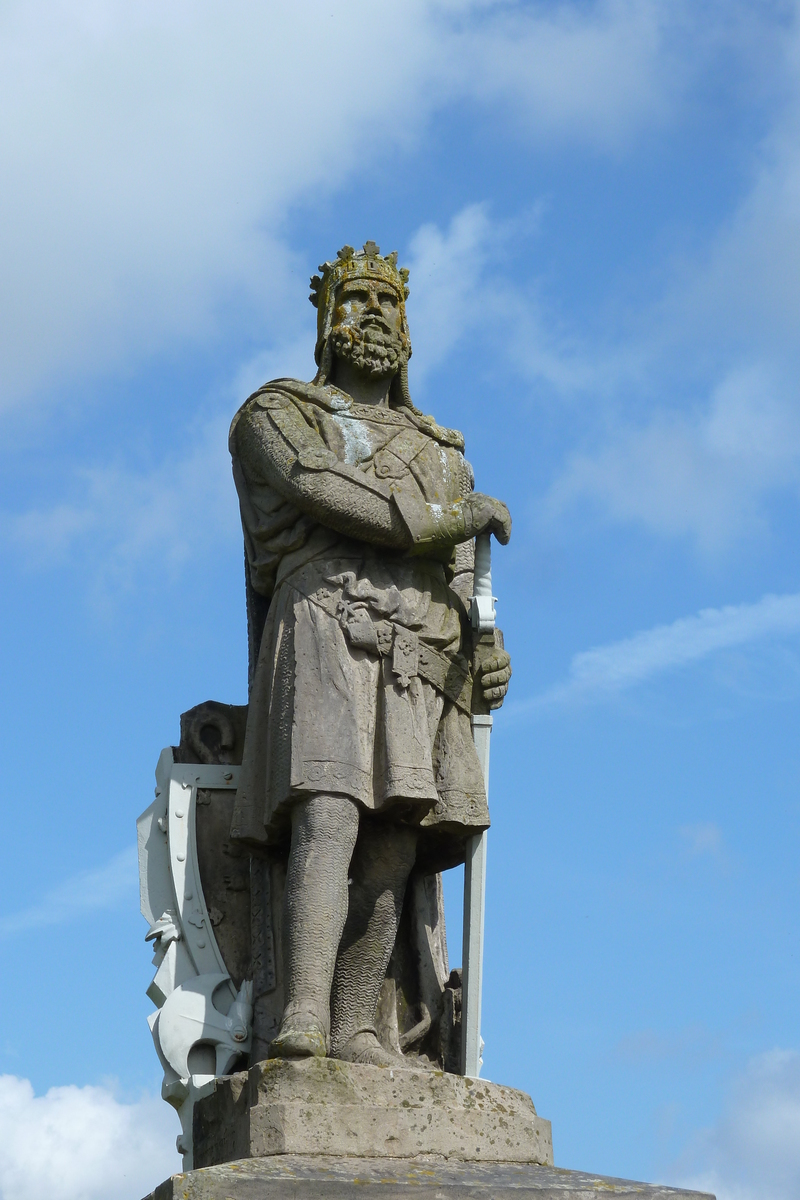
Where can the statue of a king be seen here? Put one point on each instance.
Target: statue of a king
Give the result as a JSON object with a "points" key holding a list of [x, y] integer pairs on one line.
{"points": [[359, 520]]}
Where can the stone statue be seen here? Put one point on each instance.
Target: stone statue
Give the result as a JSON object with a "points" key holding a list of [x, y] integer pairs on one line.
{"points": [[342, 789], [359, 517]]}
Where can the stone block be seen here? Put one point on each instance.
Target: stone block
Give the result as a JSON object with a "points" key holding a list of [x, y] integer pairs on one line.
{"points": [[323, 1106], [289, 1177]]}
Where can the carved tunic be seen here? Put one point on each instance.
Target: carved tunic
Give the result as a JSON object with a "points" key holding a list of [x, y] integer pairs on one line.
{"points": [[361, 685]]}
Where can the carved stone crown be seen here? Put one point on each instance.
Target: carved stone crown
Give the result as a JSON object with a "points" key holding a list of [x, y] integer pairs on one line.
{"points": [[357, 264], [353, 264]]}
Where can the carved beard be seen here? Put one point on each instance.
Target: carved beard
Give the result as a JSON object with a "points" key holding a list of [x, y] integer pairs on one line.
{"points": [[373, 349]]}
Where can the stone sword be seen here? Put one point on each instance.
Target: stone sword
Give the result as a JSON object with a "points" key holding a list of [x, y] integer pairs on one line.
{"points": [[482, 615]]}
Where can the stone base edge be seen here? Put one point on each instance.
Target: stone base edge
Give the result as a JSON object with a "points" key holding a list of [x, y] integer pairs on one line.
{"points": [[305, 1177]]}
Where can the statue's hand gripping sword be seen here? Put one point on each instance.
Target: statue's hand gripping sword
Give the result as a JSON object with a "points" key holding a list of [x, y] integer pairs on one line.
{"points": [[483, 623]]}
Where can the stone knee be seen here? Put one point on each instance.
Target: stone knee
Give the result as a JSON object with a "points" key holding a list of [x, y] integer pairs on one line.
{"points": [[384, 856]]}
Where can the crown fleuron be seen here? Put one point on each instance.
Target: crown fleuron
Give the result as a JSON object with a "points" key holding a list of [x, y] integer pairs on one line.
{"points": [[357, 264]]}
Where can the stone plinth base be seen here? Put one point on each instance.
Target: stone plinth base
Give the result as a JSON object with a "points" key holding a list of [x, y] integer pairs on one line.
{"points": [[289, 1177], [323, 1106]]}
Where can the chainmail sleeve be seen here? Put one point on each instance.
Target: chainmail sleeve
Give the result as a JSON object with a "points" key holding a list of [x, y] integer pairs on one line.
{"points": [[276, 447]]}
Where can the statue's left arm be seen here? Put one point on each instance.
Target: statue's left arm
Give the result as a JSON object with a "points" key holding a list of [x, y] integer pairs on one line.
{"points": [[491, 663]]}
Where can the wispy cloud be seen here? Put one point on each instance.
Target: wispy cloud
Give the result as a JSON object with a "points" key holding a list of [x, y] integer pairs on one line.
{"points": [[754, 1151], [120, 522], [703, 435], [581, 74], [704, 475], [461, 292], [703, 838], [89, 891], [447, 267], [624, 664], [689, 1047]]}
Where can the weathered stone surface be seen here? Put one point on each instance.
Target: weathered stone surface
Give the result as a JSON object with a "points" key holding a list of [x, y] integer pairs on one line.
{"points": [[321, 1178], [359, 517], [324, 1106], [313, 880]]}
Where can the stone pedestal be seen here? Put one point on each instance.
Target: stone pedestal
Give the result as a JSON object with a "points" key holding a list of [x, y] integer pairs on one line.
{"points": [[323, 1106], [291, 1177], [319, 1129]]}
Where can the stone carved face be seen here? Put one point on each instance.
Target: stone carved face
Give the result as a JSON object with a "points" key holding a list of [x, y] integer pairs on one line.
{"points": [[368, 327]]}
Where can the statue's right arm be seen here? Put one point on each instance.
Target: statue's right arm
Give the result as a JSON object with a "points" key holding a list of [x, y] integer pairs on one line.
{"points": [[278, 447]]}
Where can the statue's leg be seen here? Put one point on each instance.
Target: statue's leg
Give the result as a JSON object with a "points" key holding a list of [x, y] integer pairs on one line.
{"points": [[324, 831], [383, 860]]}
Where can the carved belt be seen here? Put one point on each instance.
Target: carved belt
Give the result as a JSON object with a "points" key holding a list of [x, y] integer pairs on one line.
{"points": [[410, 655]]}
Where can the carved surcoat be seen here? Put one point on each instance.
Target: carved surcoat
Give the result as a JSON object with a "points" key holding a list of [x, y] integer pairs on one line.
{"points": [[362, 679]]}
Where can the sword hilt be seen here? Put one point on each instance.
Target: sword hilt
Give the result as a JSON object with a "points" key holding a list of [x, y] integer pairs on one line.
{"points": [[481, 604]]}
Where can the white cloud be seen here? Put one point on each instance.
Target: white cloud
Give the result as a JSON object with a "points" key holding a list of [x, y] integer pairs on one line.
{"points": [[459, 291], [725, 333], [598, 72], [690, 1046], [703, 838], [742, 291], [754, 1151], [706, 476], [88, 891], [151, 152], [293, 360], [157, 153], [447, 268], [624, 664], [123, 520], [149, 181], [82, 1143]]}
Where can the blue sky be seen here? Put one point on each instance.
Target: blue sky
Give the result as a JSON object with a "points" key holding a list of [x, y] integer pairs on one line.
{"points": [[599, 203]]}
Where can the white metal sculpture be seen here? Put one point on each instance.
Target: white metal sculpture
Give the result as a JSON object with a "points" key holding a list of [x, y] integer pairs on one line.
{"points": [[482, 612], [202, 1024]]}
